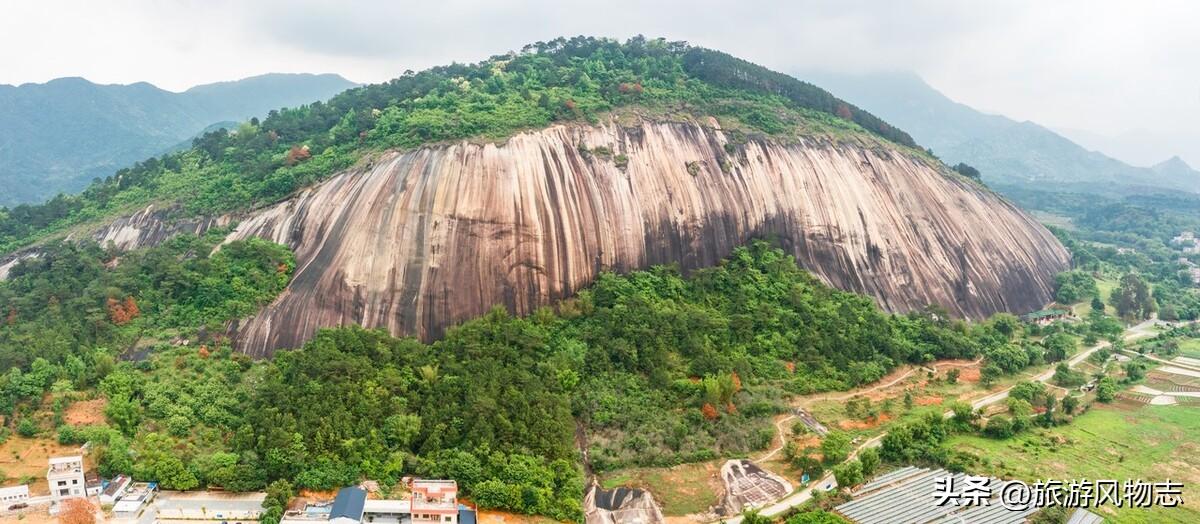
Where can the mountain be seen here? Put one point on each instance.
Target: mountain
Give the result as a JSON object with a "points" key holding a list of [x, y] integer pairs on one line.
{"points": [[58, 136], [1173, 167], [420, 203], [1008, 153]]}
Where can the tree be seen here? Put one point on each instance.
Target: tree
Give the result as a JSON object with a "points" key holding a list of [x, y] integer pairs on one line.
{"points": [[1069, 404], [908, 399], [400, 430], [77, 511], [964, 413], [967, 171], [27, 427], [807, 464], [1106, 390], [279, 493], [1132, 298], [1074, 286], [1019, 408], [1134, 371], [999, 427], [816, 516], [753, 517], [1028, 391], [1058, 346], [1097, 303], [869, 458], [990, 374], [952, 376], [835, 447], [124, 412], [848, 474]]}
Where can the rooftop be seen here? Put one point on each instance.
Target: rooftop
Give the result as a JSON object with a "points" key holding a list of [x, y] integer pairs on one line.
{"points": [[73, 464], [1043, 313], [348, 503], [908, 495]]}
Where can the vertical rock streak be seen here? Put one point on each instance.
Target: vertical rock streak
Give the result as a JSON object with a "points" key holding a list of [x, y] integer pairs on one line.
{"points": [[422, 240]]}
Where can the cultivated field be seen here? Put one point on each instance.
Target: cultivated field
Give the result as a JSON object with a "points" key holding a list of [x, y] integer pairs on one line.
{"points": [[1122, 441]]}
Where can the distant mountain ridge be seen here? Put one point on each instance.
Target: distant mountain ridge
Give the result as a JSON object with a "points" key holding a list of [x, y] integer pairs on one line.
{"points": [[1007, 152], [58, 136]]}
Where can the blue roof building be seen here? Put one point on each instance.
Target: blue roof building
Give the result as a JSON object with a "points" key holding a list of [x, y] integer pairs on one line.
{"points": [[348, 506]]}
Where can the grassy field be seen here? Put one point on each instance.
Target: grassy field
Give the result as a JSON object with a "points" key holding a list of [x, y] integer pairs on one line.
{"points": [[1189, 347], [1108, 442], [1052, 219], [680, 490], [1106, 287]]}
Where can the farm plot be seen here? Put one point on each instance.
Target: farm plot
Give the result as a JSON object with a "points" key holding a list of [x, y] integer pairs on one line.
{"points": [[1122, 441]]}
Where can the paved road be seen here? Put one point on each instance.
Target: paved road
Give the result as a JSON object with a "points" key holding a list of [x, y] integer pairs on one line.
{"points": [[800, 497], [1189, 367]]}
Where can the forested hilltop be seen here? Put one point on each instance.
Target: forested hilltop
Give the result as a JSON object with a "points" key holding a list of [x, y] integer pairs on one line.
{"points": [[558, 81], [61, 135], [656, 368]]}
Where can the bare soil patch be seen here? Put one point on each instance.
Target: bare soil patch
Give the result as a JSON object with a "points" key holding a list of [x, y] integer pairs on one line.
{"points": [[86, 412], [20, 456], [929, 400], [865, 424]]}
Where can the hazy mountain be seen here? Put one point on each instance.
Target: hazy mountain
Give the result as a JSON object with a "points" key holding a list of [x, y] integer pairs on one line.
{"points": [[1007, 152], [58, 136], [1173, 167]]}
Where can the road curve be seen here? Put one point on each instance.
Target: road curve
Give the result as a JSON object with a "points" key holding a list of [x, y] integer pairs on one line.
{"points": [[803, 495]]}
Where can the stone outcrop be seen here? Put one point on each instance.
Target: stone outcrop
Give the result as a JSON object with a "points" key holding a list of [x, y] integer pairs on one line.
{"points": [[150, 226], [421, 240]]}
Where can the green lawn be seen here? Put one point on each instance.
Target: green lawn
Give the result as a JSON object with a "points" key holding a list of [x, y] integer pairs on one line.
{"points": [[1189, 347], [1108, 442], [1106, 286]]}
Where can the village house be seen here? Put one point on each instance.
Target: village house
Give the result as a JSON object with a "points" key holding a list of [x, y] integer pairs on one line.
{"points": [[14, 495], [1046, 317], [430, 501], [434, 502], [114, 490], [65, 476]]}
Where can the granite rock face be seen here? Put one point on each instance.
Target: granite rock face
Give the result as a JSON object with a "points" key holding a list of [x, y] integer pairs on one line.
{"points": [[418, 241], [151, 226]]}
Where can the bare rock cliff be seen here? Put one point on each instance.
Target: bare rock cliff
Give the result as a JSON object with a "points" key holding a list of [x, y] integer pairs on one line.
{"points": [[422, 240]]}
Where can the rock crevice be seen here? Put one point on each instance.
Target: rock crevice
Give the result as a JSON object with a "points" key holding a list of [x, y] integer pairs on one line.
{"points": [[425, 239]]}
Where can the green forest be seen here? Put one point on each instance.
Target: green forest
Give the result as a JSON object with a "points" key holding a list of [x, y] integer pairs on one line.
{"points": [[564, 80], [1128, 240], [654, 367]]}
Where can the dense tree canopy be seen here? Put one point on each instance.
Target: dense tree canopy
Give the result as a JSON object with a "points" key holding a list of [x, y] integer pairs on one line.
{"points": [[652, 368]]}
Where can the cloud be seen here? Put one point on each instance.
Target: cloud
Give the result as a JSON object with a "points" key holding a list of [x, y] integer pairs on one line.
{"points": [[1108, 67]]}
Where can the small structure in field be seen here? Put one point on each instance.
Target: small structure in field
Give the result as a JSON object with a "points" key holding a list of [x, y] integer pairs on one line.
{"points": [[13, 495], [1046, 316]]}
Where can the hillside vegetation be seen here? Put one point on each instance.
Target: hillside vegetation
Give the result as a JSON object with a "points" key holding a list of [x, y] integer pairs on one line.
{"points": [[654, 368], [264, 160], [61, 135]]}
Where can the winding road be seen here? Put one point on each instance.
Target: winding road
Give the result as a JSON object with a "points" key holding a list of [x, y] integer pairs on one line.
{"points": [[828, 482]]}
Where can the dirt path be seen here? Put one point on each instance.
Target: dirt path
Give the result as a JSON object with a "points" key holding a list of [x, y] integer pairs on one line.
{"points": [[781, 436], [827, 482]]}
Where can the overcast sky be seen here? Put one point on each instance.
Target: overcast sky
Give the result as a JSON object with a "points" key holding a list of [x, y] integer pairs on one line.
{"points": [[1116, 69]]}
